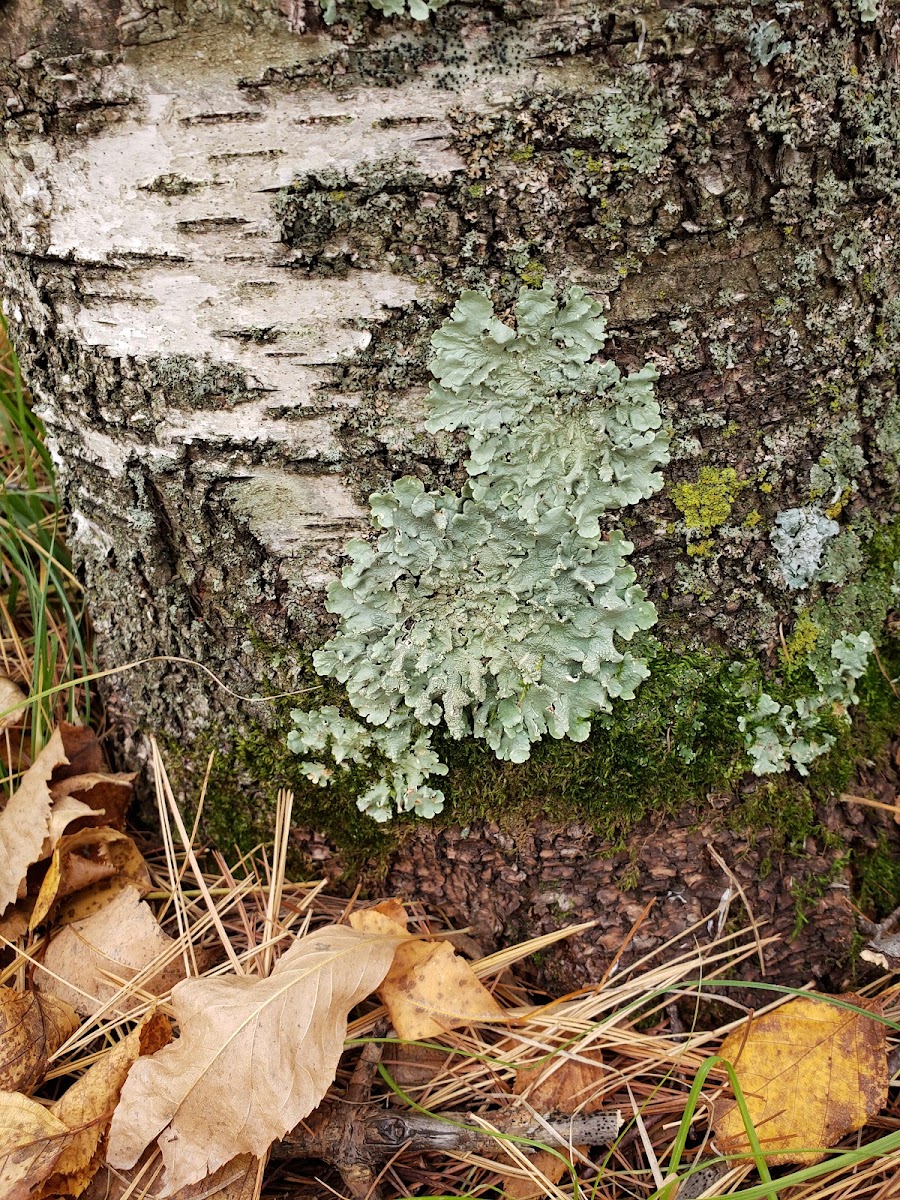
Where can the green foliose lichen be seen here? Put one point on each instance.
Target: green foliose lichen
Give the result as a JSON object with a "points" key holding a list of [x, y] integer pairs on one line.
{"points": [[499, 612], [419, 10]]}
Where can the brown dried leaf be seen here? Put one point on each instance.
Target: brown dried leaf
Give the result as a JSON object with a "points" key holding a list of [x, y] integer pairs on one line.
{"points": [[254, 1058], [83, 753], [32, 1027], [14, 750], [64, 812], [563, 1085], [236, 1180], [429, 989], [120, 939], [102, 792], [87, 1107], [833, 1058], [11, 697], [25, 821], [96, 863], [31, 1141], [14, 921], [131, 871]]}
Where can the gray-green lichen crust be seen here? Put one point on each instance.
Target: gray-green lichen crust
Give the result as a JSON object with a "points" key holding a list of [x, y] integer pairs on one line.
{"points": [[500, 612]]}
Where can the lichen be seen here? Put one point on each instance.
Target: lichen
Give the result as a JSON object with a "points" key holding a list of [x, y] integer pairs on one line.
{"points": [[799, 539], [764, 42], [550, 430], [500, 611], [706, 502], [795, 734], [419, 10], [406, 752]]}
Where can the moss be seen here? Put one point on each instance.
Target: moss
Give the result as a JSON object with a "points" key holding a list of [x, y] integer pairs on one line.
{"points": [[876, 876], [807, 892], [706, 502]]}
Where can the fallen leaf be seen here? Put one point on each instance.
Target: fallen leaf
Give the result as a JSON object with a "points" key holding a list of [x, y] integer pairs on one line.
{"points": [[810, 1072], [388, 917], [65, 810], [255, 1056], [14, 922], [429, 989], [120, 939], [32, 1027], [11, 697], [25, 820], [102, 792], [562, 1085], [83, 753], [414, 1066], [236, 1180], [86, 860], [87, 1107], [14, 750], [131, 871], [31, 1141]]}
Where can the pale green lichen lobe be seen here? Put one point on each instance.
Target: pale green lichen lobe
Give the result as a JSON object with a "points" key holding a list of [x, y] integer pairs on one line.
{"points": [[550, 430], [500, 612]]}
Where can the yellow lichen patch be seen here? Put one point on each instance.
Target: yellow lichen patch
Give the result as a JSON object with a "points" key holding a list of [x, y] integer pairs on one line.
{"points": [[706, 503], [800, 642]]}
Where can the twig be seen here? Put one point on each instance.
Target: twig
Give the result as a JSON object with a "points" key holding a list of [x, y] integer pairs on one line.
{"points": [[366, 1135]]}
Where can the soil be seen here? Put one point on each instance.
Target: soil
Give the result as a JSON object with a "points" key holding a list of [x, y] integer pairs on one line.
{"points": [[504, 886]]}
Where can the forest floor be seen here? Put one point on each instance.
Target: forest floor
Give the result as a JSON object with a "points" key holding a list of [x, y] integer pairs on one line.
{"points": [[175, 1024]]}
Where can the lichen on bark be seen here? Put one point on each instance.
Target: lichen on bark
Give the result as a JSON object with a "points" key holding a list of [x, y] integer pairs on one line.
{"points": [[227, 239]]}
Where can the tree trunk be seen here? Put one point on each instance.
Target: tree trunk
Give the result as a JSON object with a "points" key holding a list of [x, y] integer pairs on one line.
{"points": [[229, 231]]}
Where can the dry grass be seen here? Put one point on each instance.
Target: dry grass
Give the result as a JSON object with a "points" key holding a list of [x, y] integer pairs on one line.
{"points": [[226, 918]]}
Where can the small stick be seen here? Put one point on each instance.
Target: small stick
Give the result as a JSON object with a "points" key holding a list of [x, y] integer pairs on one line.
{"points": [[366, 1135]]}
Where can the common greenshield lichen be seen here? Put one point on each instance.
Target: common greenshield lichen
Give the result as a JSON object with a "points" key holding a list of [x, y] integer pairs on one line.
{"points": [[419, 10], [799, 539], [778, 736], [553, 433], [500, 612]]}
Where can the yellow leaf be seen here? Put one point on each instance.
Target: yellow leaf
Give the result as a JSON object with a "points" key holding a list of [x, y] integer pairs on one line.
{"points": [[25, 821], [255, 1056], [31, 1141], [31, 1028], [388, 917], [429, 989], [96, 864], [811, 1073], [87, 1107], [120, 939]]}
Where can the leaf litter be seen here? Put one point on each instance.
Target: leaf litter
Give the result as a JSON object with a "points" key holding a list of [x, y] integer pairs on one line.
{"points": [[171, 1025]]}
